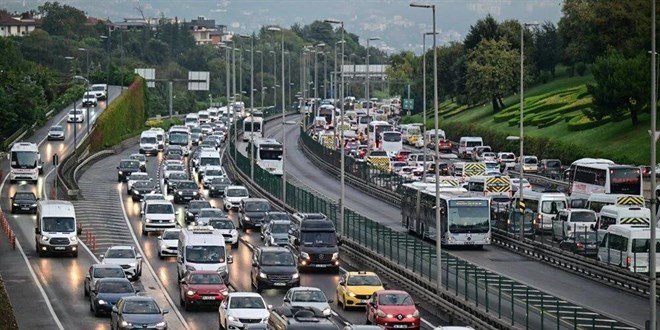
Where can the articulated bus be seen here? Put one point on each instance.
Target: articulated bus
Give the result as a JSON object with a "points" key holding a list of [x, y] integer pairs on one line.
{"points": [[267, 154], [605, 178], [253, 127], [464, 219]]}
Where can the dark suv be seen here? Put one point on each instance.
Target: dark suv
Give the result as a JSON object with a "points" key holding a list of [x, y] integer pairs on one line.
{"points": [[194, 207], [24, 202], [274, 267], [252, 212], [313, 239], [550, 168], [185, 191], [126, 168]]}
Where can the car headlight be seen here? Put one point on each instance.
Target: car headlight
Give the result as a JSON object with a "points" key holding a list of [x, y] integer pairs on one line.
{"points": [[126, 324], [133, 264], [14, 204], [222, 269], [327, 312], [231, 318], [172, 220], [212, 188], [295, 276], [161, 324], [33, 205], [335, 256], [263, 275], [415, 314], [304, 255], [147, 220], [73, 239], [195, 193], [246, 218], [272, 240], [45, 238], [102, 302], [178, 193], [380, 313], [351, 294], [190, 292], [224, 292], [190, 268], [120, 172]]}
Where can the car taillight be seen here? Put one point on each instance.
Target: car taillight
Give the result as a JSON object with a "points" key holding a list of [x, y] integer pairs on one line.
{"points": [[628, 261], [579, 246]]}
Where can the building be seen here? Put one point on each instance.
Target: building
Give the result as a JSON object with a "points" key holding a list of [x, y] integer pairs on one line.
{"points": [[17, 25], [205, 31]]}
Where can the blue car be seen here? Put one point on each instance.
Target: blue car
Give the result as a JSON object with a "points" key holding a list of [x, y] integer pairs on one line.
{"points": [[107, 292]]}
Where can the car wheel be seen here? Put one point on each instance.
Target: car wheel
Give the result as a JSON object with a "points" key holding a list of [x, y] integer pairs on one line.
{"points": [[96, 312], [13, 210], [86, 291], [343, 304], [186, 306], [144, 233], [74, 254], [139, 273]]}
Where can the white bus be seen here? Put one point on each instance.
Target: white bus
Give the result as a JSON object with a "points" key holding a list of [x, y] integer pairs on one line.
{"points": [[391, 142], [591, 178], [267, 154], [253, 127], [191, 120], [179, 136], [375, 128], [24, 162], [464, 219], [363, 123], [328, 112]]}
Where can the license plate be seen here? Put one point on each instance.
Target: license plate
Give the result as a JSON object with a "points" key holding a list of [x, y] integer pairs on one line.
{"points": [[208, 298], [469, 243], [279, 284], [320, 266], [399, 326], [59, 248], [364, 301], [25, 208]]}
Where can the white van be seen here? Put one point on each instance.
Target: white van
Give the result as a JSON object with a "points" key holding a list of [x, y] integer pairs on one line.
{"points": [[466, 143], [160, 136], [203, 117], [208, 157], [572, 220], [622, 215], [149, 143], [214, 114], [56, 228], [157, 215], [202, 248], [546, 204], [628, 247], [191, 120]]}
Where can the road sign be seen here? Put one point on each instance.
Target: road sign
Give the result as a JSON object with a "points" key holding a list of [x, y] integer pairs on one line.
{"points": [[56, 160], [408, 104], [198, 80], [148, 74]]}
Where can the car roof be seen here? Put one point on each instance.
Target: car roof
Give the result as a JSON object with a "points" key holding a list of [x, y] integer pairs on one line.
{"points": [[121, 247], [305, 288], [139, 298], [361, 273], [114, 279], [244, 294], [254, 199], [273, 249], [95, 266], [392, 292]]}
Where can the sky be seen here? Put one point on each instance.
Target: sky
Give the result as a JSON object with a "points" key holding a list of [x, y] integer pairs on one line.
{"points": [[399, 26]]}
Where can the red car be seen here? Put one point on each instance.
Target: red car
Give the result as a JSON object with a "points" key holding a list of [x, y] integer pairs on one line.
{"points": [[402, 155], [393, 309], [445, 145], [202, 287]]}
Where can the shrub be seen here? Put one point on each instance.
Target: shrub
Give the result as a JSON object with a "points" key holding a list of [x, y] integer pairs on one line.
{"points": [[580, 68], [571, 71], [544, 77], [582, 122]]}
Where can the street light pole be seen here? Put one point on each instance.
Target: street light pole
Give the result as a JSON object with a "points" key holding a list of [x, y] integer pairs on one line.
{"points": [[75, 114], [340, 222], [250, 152], [366, 90], [274, 77], [261, 85], [654, 139], [283, 124], [438, 225], [325, 72], [107, 54], [87, 56], [233, 72]]}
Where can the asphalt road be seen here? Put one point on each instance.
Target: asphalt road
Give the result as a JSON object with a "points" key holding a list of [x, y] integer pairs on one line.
{"points": [[60, 278], [562, 284]]}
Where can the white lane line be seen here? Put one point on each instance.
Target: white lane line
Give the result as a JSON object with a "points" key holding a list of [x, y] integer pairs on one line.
{"points": [[428, 323], [34, 275], [146, 261]]}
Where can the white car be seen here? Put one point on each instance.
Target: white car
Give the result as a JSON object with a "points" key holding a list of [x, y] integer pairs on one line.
{"points": [[157, 216], [76, 116], [308, 297], [211, 173], [227, 228], [168, 169], [100, 91], [150, 197], [136, 176], [487, 155], [241, 308], [168, 243], [127, 257], [233, 196], [515, 184], [89, 100]]}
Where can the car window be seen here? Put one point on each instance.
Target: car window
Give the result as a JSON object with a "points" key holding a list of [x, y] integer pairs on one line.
{"points": [[160, 209], [120, 253], [210, 213], [115, 287], [141, 307], [395, 299], [583, 217], [247, 303], [25, 197], [205, 279], [108, 272], [309, 296], [364, 280], [170, 235], [284, 258]]}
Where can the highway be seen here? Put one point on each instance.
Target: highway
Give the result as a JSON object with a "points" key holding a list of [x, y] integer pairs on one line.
{"points": [[562, 284]]}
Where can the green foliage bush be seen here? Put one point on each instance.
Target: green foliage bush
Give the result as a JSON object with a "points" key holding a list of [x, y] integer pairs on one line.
{"points": [[580, 68], [582, 122], [123, 118]]}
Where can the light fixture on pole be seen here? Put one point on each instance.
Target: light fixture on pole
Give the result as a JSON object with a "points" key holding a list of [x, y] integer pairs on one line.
{"points": [[87, 56], [438, 246], [277, 29], [366, 90], [340, 221]]}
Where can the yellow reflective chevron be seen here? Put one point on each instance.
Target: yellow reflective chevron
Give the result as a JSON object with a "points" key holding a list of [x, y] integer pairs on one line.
{"points": [[630, 200], [378, 162], [498, 184], [472, 169], [450, 181], [329, 142], [634, 221]]}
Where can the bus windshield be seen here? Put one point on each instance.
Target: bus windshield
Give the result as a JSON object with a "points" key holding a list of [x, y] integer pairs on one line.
{"points": [[179, 139], [468, 216], [270, 153], [24, 159], [256, 127], [391, 137], [625, 181]]}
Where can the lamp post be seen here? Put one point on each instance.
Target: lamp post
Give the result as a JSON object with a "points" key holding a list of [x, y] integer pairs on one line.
{"points": [[424, 95], [251, 50], [87, 60], [366, 90], [75, 114], [233, 72], [654, 139], [288, 76], [274, 28], [340, 222], [274, 77], [438, 246], [86, 108], [261, 84], [107, 54], [325, 72]]}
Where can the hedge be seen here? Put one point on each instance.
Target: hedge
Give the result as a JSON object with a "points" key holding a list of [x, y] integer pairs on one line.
{"points": [[163, 123], [582, 122], [124, 117]]}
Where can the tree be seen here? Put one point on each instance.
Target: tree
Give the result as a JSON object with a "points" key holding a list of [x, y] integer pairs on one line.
{"points": [[491, 71], [448, 56], [547, 52], [621, 85], [485, 28], [63, 20]]}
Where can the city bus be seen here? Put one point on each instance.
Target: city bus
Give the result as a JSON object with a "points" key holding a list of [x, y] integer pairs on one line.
{"points": [[391, 142], [179, 136], [375, 128], [464, 219], [267, 153], [24, 162], [328, 112], [605, 178], [253, 128]]}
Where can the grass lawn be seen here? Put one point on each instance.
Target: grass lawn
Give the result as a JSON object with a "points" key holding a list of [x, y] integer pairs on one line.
{"points": [[548, 108], [7, 319]]}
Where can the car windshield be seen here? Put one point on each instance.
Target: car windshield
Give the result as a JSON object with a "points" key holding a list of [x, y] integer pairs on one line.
{"points": [[108, 272], [178, 138], [278, 216], [553, 206], [160, 209], [170, 235], [205, 279], [144, 184], [309, 296], [210, 213], [257, 207], [583, 217], [24, 159], [319, 238], [25, 197], [141, 307], [178, 176], [209, 161], [284, 258], [246, 303], [220, 180], [138, 157], [531, 160], [222, 224], [120, 254], [196, 130], [279, 228], [198, 205], [58, 225], [129, 164], [553, 163], [213, 173], [395, 299], [241, 192], [139, 176], [98, 88], [116, 287], [205, 254], [57, 129], [148, 140], [177, 152], [364, 280], [76, 112], [187, 185]]}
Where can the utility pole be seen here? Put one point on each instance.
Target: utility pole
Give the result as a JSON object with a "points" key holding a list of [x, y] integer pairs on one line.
{"points": [[654, 140]]}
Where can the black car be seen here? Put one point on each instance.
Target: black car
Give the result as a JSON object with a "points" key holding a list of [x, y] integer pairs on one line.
{"points": [[217, 186], [126, 168], [24, 202], [252, 212], [107, 292], [142, 159], [274, 267], [141, 188], [550, 167], [185, 191], [582, 243], [175, 178], [137, 312], [194, 207]]}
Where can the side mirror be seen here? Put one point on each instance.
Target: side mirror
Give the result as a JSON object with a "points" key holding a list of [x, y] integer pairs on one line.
{"points": [[142, 213], [115, 310], [296, 241], [270, 307], [342, 282], [12, 198], [179, 259], [230, 259], [139, 256], [37, 231], [287, 299], [137, 290], [165, 311], [183, 281], [255, 264], [330, 301], [102, 256]]}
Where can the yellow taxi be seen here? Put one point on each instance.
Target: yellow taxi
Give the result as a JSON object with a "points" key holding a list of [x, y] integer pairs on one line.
{"points": [[355, 288]]}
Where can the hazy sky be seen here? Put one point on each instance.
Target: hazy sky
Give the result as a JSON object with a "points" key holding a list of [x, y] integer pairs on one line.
{"points": [[398, 25]]}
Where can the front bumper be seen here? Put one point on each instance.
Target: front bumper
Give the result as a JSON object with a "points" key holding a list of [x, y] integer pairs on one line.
{"points": [[357, 301], [149, 151], [184, 197], [278, 283], [204, 299], [157, 226], [24, 176], [395, 323], [168, 250], [58, 248], [23, 208], [55, 137]]}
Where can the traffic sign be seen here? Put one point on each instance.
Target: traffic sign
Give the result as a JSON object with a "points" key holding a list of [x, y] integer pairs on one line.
{"points": [[408, 104]]}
